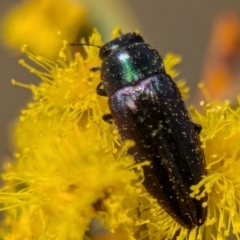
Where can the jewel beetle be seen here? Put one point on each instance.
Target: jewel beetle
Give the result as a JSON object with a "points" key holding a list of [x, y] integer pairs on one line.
{"points": [[146, 107]]}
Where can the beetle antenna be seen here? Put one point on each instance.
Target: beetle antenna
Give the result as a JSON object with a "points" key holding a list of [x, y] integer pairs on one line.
{"points": [[84, 44]]}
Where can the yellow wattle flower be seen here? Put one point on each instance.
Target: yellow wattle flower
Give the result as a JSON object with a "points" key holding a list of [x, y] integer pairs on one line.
{"points": [[221, 140], [37, 23], [170, 61], [70, 166]]}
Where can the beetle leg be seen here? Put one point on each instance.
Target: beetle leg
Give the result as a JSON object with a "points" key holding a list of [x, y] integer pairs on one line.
{"points": [[101, 91], [95, 69], [107, 118], [197, 127]]}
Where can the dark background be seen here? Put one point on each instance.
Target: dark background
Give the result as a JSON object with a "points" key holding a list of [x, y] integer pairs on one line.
{"points": [[170, 25]]}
